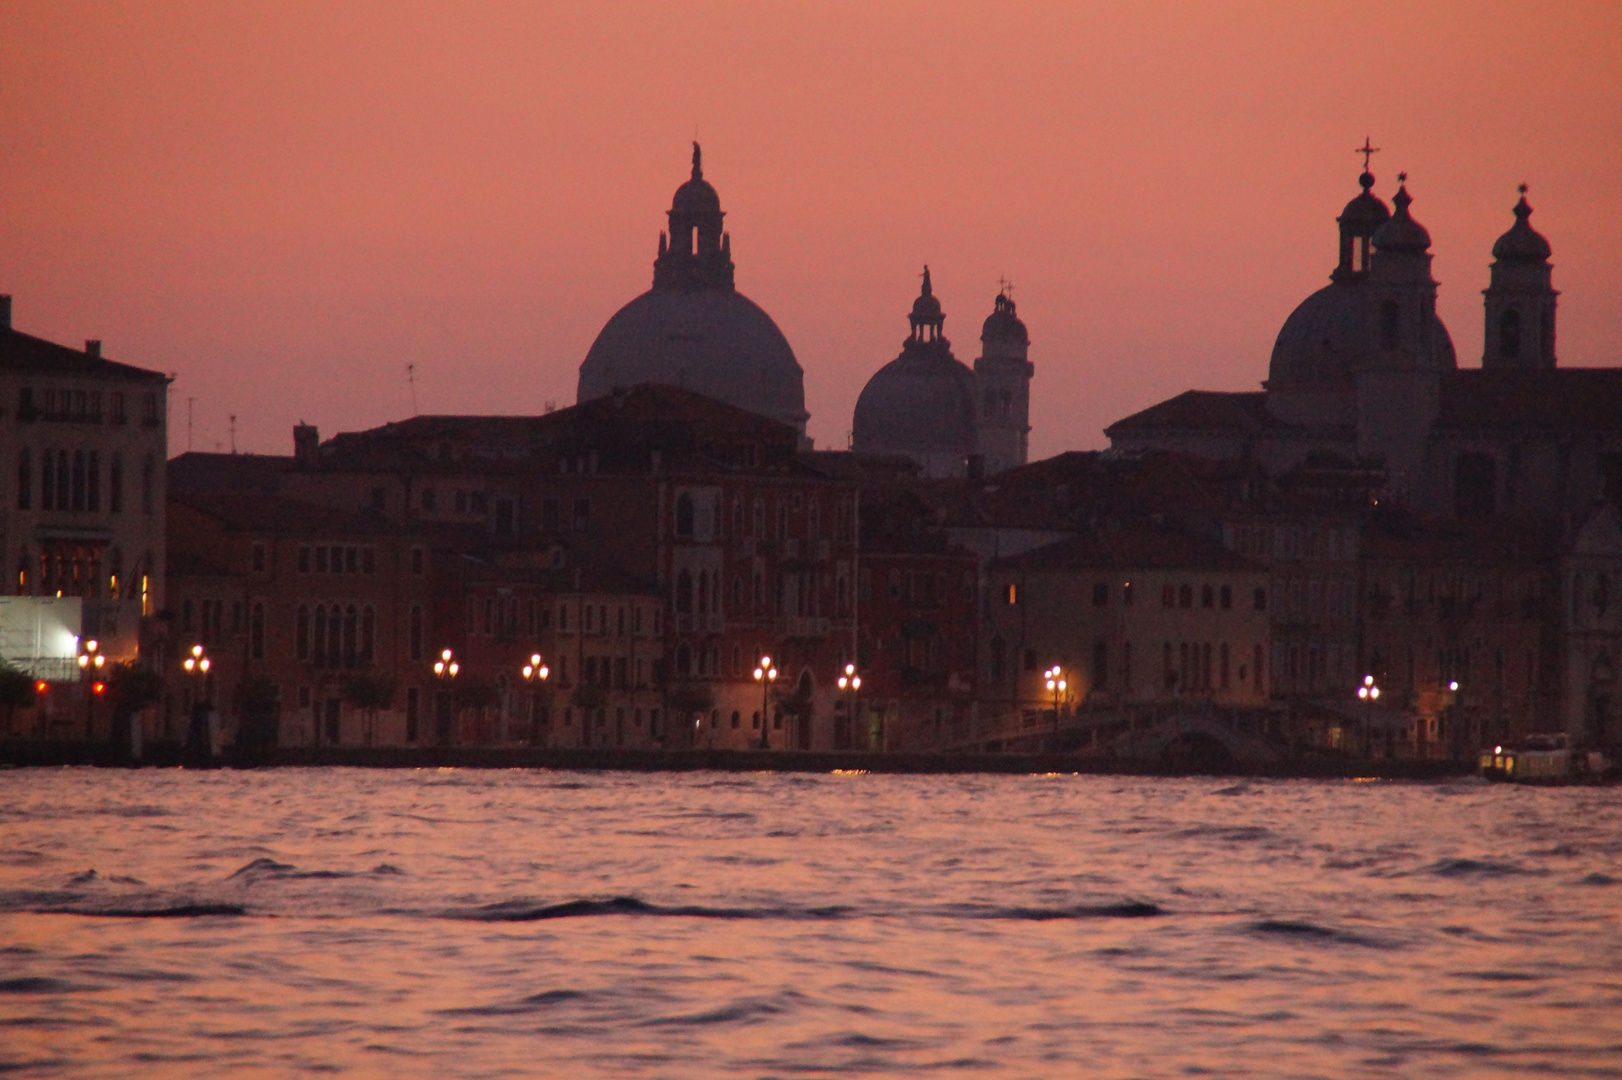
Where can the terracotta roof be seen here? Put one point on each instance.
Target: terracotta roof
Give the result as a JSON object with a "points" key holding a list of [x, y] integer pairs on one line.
{"points": [[1401, 537], [1132, 546], [1557, 401], [24, 352], [1212, 411], [273, 515]]}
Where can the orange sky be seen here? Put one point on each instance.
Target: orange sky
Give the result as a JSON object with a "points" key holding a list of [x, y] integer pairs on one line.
{"points": [[287, 203]]}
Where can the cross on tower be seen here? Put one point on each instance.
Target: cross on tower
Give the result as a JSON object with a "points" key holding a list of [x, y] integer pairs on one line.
{"points": [[1005, 287], [1368, 151], [1524, 189]]}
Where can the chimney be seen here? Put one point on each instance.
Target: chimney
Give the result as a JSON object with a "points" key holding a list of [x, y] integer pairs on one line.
{"points": [[92, 348], [5, 311], [306, 441]]}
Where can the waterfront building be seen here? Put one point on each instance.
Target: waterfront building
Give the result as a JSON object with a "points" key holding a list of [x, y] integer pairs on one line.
{"points": [[83, 441]]}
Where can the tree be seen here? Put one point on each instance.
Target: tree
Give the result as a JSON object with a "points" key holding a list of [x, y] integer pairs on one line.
{"points": [[17, 691], [371, 692]]}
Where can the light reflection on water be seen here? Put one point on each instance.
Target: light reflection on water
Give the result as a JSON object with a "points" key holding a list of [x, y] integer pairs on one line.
{"points": [[491, 923]]}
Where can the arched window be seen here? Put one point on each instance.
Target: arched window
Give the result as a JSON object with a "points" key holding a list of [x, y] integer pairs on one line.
{"points": [[115, 484], [760, 516], [318, 651], [684, 593], [1546, 339], [415, 632], [64, 481], [684, 515], [703, 592], [351, 636], [368, 635], [684, 659], [78, 492], [999, 660], [256, 631], [47, 480], [335, 636], [1509, 334], [25, 479], [1390, 324], [1602, 595]]}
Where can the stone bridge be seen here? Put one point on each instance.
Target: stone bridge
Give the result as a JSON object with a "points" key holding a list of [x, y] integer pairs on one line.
{"points": [[1195, 742]]}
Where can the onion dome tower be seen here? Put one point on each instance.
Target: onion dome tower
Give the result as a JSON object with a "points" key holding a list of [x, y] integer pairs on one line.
{"points": [[693, 329], [1003, 378], [1399, 382], [1521, 298], [921, 404]]}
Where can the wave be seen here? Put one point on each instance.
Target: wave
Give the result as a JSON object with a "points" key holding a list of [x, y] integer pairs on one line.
{"points": [[1597, 878], [171, 911], [1462, 868], [522, 911], [1306, 931], [269, 868]]}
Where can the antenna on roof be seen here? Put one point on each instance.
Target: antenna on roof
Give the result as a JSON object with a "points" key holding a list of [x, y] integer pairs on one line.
{"points": [[411, 378], [189, 403], [233, 433]]}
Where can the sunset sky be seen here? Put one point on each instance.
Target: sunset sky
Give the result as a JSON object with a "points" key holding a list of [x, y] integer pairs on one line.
{"points": [[286, 204]]}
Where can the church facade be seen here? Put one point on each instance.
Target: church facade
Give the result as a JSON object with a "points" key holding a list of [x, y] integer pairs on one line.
{"points": [[1364, 381]]}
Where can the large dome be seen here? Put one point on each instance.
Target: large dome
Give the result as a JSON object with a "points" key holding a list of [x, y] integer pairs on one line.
{"points": [[1331, 334], [715, 342], [693, 329], [920, 404]]}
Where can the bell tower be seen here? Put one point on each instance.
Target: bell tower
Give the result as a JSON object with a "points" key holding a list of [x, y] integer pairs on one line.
{"points": [[1002, 377], [697, 253], [1520, 298]]}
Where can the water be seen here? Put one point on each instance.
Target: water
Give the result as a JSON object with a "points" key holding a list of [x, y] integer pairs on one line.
{"points": [[508, 923]]}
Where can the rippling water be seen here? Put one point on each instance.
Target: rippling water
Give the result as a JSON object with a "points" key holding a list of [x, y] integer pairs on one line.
{"points": [[463, 923]]}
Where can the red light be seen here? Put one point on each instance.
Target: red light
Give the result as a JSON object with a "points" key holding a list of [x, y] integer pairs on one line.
{"points": [[41, 686], [99, 687]]}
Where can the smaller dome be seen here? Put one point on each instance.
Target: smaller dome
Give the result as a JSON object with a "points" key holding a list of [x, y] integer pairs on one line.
{"points": [[1522, 242], [1366, 212], [696, 196], [1402, 232], [926, 307], [1003, 324]]}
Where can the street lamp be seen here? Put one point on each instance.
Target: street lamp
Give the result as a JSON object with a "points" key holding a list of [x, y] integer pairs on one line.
{"points": [[765, 675], [535, 671], [199, 738], [849, 684], [445, 669], [1370, 693], [90, 665], [1056, 685]]}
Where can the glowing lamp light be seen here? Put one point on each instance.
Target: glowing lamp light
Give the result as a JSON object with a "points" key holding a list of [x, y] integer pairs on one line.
{"points": [[535, 669], [850, 680], [99, 688], [446, 666], [197, 663], [41, 686], [1453, 685]]}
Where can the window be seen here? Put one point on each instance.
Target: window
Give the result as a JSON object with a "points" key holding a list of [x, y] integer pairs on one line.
{"points": [[582, 515], [549, 515], [1227, 598], [47, 480], [414, 631], [149, 410], [1100, 665], [302, 633], [1012, 595], [418, 561], [1030, 659], [430, 500], [684, 515], [1475, 482], [1509, 335], [368, 635], [78, 492], [148, 480], [25, 480], [1185, 596], [256, 631], [461, 502], [1207, 597], [1259, 599], [93, 481], [117, 400], [1168, 596], [413, 713], [505, 518], [258, 558], [1100, 594], [1390, 324], [64, 481]]}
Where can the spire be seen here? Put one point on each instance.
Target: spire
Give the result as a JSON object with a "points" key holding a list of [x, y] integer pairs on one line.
{"points": [[926, 317], [927, 291], [698, 161]]}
